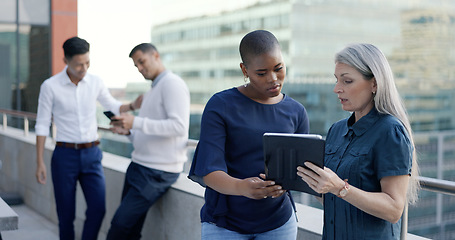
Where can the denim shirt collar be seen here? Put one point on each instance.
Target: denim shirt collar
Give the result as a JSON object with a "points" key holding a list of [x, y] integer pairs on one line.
{"points": [[365, 123]]}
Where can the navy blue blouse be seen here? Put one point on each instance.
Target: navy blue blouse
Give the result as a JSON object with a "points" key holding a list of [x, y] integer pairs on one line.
{"points": [[232, 126], [364, 152]]}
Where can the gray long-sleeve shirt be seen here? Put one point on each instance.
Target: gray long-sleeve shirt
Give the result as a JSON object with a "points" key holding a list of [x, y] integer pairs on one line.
{"points": [[160, 131]]}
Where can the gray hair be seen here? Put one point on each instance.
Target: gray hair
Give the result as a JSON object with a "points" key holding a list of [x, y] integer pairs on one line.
{"points": [[371, 62]]}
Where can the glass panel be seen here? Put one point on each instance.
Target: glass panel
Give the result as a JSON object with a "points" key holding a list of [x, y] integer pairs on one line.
{"points": [[7, 11], [7, 63], [30, 11], [34, 12], [34, 65], [38, 53]]}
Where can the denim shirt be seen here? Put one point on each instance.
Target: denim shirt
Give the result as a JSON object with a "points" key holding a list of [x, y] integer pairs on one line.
{"points": [[364, 152]]}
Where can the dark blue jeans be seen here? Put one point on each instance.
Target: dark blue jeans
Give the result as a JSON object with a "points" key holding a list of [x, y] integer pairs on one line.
{"points": [[84, 165], [143, 187]]}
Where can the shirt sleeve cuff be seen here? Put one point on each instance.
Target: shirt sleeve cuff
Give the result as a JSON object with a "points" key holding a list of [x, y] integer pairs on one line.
{"points": [[138, 122], [41, 131], [116, 108], [397, 172], [131, 135]]}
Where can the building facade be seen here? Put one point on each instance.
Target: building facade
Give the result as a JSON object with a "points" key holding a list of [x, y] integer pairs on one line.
{"points": [[204, 51]]}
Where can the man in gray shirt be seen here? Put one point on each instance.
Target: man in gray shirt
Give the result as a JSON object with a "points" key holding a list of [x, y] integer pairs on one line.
{"points": [[159, 135]]}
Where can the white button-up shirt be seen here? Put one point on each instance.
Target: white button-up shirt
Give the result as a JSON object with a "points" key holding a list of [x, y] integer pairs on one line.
{"points": [[72, 107]]}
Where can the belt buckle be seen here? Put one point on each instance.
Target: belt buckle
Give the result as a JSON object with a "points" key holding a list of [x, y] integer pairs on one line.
{"points": [[76, 146]]}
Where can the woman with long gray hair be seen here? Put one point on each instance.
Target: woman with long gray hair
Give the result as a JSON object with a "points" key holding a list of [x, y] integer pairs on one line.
{"points": [[370, 162]]}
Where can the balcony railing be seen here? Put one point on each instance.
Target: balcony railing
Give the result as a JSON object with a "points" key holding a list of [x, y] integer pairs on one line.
{"points": [[437, 185], [429, 184]]}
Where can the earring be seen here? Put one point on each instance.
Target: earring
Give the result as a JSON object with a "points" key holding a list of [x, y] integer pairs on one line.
{"points": [[246, 82], [374, 93]]}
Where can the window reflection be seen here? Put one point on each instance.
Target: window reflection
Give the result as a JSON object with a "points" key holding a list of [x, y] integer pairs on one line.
{"points": [[24, 53]]}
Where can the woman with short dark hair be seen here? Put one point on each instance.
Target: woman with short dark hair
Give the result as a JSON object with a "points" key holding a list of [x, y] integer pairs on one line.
{"points": [[239, 203]]}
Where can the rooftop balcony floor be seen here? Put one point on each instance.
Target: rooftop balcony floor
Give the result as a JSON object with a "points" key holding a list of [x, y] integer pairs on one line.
{"points": [[32, 226]]}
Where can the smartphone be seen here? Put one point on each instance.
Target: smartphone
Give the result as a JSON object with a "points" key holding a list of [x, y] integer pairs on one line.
{"points": [[109, 115]]}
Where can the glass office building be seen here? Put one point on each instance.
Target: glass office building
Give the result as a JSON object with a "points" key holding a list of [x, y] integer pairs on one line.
{"points": [[417, 36]]}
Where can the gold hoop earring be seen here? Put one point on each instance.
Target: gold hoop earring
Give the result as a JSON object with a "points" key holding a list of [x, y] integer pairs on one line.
{"points": [[246, 82]]}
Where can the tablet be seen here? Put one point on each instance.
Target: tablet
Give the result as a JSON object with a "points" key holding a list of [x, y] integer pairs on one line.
{"points": [[283, 152]]}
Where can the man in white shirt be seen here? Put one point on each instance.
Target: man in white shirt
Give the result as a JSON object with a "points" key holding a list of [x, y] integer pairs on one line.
{"points": [[159, 135], [69, 98]]}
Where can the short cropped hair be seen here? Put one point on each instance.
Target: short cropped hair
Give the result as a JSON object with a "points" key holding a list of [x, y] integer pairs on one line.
{"points": [[74, 46], [256, 43], [143, 47]]}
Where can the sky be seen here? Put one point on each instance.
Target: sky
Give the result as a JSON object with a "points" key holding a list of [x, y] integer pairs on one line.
{"points": [[113, 28]]}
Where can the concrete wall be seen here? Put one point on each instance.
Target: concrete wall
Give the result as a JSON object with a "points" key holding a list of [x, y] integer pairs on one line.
{"points": [[174, 217]]}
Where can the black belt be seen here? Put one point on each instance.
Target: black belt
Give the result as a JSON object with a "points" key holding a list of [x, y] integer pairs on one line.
{"points": [[78, 145]]}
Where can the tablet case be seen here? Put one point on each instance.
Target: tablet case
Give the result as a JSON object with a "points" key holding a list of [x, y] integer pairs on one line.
{"points": [[283, 152]]}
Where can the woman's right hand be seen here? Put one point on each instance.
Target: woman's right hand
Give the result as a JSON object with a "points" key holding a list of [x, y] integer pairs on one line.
{"points": [[256, 188], [321, 180], [253, 187]]}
